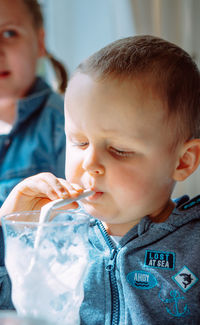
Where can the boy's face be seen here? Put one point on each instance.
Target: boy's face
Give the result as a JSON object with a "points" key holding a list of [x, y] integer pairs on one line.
{"points": [[118, 143]]}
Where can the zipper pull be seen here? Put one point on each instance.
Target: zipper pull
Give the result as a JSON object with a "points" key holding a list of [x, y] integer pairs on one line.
{"points": [[111, 262]]}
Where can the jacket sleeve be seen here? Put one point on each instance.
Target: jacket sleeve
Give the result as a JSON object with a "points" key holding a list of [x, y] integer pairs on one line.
{"points": [[5, 283]]}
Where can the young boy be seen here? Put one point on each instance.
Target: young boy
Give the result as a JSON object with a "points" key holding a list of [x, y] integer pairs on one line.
{"points": [[132, 115]]}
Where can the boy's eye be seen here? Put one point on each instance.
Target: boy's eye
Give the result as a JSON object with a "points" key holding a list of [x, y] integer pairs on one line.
{"points": [[9, 33], [121, 153], [79, 144]]}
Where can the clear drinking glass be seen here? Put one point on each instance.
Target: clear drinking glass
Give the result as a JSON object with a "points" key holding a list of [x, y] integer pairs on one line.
{"points": [[47, 278]]}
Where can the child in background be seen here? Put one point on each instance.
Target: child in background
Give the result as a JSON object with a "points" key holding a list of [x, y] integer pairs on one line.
{"points": [[132, 113], [32, 135]]}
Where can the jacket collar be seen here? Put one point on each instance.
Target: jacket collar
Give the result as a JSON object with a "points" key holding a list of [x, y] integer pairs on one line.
{"points": [[33, 101]]}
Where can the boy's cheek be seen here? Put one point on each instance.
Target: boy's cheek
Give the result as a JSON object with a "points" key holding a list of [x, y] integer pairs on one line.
{"points": [[73, 170], [129, 184], [124, 178]]}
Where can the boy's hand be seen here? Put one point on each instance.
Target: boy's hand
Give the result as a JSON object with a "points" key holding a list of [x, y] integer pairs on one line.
{"points": [[35, 191]]}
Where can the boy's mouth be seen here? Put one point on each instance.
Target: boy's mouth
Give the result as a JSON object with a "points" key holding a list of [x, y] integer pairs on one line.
{"points": [[95, 196]]}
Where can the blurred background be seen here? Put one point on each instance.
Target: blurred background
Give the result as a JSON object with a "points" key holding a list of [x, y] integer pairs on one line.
{"points": [[77, 28]]}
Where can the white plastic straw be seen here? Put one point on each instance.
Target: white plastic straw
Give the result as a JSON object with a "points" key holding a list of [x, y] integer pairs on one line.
{"points": [[47, 208], [45, 215]]}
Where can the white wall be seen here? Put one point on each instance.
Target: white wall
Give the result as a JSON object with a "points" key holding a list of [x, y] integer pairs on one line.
{"points": [[77, 28]]}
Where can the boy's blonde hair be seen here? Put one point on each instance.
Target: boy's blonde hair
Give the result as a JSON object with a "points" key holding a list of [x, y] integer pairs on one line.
{"points": [[38, 22], [170, 71]]}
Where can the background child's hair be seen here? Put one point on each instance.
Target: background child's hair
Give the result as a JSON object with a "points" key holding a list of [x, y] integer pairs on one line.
{"points": [[170, 72], [38, 22]]}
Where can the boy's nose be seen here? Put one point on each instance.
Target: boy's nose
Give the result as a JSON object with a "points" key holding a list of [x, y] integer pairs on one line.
{"points": [[92, 165]]}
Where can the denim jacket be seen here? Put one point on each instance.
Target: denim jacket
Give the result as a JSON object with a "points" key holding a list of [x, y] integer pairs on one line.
{"points": [[36, 142]]}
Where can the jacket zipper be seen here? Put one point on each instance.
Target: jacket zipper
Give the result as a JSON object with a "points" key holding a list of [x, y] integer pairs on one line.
{"points": [[111, 269]]}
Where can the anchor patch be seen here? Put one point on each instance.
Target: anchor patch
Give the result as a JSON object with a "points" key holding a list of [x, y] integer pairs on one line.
{"points": [[185, 279], [175, 304]]}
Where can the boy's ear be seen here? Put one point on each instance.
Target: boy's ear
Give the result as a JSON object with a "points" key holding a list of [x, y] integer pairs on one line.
{"points": [[188, 161]]}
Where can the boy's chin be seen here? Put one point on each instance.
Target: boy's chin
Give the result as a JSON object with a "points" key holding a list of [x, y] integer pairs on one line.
{"points": [[94, 212]]}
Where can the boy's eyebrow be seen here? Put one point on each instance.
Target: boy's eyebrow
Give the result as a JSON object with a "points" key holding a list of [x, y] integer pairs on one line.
{"points": [[117, 132], [103, 130], [110, 133]]}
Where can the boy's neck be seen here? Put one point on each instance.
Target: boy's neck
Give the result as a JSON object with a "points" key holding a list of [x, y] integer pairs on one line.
{"points": [[163, 215]]}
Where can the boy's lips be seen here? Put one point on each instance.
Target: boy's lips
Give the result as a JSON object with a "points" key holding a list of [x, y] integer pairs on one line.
{"points": [[95, 196]]}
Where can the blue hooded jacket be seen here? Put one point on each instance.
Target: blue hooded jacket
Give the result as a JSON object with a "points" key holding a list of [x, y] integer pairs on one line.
{"points": [[151, 277]]}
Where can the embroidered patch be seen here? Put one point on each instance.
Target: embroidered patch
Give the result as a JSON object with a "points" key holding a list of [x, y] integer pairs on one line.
{"points": [[185, 279], [142, 280], [174, 303], [159, 259]]}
